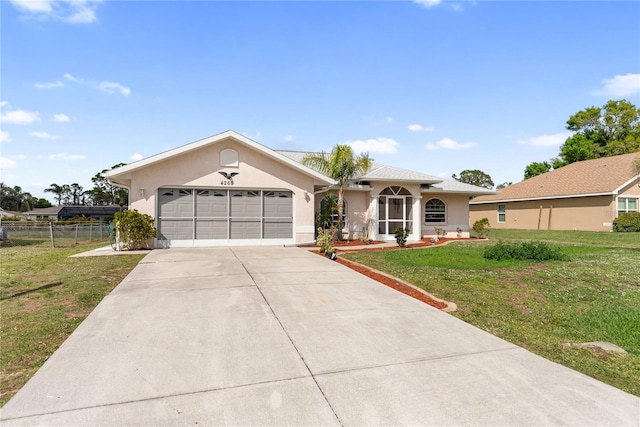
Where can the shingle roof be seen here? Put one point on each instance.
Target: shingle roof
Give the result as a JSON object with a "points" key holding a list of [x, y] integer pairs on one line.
{"points": [[590, 177], [382, 172]]}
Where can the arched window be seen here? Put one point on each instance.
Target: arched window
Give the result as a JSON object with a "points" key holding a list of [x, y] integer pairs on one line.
{"points": [[435, 211], [328, 215]]}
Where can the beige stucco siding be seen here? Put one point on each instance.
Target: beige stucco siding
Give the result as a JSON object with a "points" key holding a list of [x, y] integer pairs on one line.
{"points": [[457, 214], [594, 213], [200, 169]]}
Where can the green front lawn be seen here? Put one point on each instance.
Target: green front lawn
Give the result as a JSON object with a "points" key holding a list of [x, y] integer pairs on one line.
{"points": [[44, 296], [540, 305]]}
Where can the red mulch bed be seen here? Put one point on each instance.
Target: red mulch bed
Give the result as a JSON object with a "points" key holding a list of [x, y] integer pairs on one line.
{"points": [[407, 290], [343, 246]]}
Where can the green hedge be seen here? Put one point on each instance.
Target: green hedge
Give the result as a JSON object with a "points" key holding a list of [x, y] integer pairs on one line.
{"points": [[627, 222], [536, 251]]}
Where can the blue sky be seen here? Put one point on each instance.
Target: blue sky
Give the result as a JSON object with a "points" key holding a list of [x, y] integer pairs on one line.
{"points": [[432, 86]]}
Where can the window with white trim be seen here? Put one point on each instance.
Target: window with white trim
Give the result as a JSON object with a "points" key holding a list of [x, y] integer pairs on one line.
{"points": [[627, 204], [502, 213], [435, 211]]}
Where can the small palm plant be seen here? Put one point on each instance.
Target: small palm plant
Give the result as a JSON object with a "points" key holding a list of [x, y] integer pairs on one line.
{"points": [[342, 165]]}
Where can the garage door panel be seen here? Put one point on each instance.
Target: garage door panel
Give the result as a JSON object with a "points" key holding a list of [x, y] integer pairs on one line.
{"points": [[278, 204], [176, 203], [175, 229], [246, 204], [211, 203], [211, 229], [245, 229], [278, 230]]}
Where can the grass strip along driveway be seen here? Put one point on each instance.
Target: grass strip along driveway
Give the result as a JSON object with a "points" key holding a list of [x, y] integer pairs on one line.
{"points": [[44, 296], [541, 306]]}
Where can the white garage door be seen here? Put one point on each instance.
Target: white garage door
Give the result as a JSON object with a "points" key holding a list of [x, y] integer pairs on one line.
{"points": [[196, 217]]}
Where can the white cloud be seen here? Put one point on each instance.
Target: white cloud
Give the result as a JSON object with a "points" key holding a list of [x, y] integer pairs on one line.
{"points": [[450, 144], [71, 11], [112, 87], [136, 156], [428, 3], [389, 119], [6, 163], [17, 116], [61, 118], [4, 136], [65, 156], [33, 6], [49, 85], [419, 128], [289, 138], [377, 145], [71, 77], [620, 85], [556, 139], [43, 135]]}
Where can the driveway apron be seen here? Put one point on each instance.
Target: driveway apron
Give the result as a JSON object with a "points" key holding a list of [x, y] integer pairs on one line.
{"points": [[281, 336]]}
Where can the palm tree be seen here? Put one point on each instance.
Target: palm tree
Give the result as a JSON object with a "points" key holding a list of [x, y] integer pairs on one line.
{"points": [[57, 190], [77, 191], [343, 166]]}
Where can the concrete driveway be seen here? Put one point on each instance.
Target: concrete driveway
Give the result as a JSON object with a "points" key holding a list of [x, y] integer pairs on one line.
{"points": [[280, 336]]}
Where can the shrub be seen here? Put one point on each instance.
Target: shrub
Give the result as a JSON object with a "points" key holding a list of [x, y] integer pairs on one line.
{"points": [[536, 251], [325, 237], [627, 222], [401, 236], [134, 228], [481, 227]]}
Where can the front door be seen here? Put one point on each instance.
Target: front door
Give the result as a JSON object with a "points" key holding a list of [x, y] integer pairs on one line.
{"points": [[394, 211]]}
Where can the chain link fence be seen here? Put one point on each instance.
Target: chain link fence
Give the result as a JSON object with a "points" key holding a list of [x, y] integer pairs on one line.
{"points": [[49, 234]]}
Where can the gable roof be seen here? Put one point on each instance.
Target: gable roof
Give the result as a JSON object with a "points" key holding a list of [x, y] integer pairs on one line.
{"points": [[377, 171], [382, 172], [603, 176], [123, 173]]}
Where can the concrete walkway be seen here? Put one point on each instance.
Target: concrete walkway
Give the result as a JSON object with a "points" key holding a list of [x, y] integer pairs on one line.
{"points": [[281, 336]]}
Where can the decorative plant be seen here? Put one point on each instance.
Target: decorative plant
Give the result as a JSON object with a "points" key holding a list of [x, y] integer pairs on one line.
{"points": [[459, 232], [134, 229], [481, 227], [440, 232], [324, 239], [401, 236]]}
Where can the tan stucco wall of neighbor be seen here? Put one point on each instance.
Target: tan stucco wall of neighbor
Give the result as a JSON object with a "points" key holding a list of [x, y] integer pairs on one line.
{"points": [[595, 213], [199, 169], [633, 189]]}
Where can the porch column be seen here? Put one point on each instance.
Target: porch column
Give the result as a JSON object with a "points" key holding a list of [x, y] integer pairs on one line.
{"points": [[372, 223], [417, 218]]}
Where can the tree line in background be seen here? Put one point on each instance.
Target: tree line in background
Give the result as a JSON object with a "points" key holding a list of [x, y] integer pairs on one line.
{"points": [[610, 130], [103, 193]]}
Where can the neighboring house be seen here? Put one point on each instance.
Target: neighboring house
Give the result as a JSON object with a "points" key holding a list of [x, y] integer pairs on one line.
{"points": [[11, 215], [69, 212], [230, 190], [585, 195]]}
